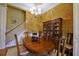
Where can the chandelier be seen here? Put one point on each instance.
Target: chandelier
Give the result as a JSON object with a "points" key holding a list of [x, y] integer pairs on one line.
{"points": [[35, 10]]}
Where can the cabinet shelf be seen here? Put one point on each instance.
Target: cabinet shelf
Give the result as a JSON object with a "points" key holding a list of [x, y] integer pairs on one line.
{"points": [[53, 29]]}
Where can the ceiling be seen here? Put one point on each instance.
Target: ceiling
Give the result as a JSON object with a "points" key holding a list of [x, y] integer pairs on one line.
{"points": [[44, 6]]}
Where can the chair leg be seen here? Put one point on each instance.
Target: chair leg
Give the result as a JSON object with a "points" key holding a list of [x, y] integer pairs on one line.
{"points": [[52, 52], [55, 51]]}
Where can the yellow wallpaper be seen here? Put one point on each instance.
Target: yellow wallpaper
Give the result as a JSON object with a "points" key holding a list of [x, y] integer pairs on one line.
{"points": [[34, 22], [64, 11]]}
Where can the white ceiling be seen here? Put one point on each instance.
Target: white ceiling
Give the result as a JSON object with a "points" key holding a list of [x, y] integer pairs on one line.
{"points": [[44, 6]]}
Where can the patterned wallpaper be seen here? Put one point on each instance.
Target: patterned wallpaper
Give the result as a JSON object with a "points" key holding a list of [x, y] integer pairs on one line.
{"points": [[14, 17], [63, 10]]}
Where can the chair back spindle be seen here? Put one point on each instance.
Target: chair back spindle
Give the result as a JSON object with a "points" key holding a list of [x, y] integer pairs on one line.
{"points": [[17, 45]]}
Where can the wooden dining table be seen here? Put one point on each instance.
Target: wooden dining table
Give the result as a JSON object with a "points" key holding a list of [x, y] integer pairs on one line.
{"points": [[39, 47]]}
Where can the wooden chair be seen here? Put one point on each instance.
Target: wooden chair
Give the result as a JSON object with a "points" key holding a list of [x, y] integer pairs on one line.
{"points": [[26, 35], [69, 44], [69, 38], [20, 51], [62, 46], [56, 50], [59, 47]]}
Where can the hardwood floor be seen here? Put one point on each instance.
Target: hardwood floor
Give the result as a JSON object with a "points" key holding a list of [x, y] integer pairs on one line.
{"points": [[3, 52]]}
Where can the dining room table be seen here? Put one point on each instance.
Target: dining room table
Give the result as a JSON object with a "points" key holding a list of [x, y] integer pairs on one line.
{"points": [[39, 47]]}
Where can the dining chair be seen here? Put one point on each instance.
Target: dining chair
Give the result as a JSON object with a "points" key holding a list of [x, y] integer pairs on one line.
{"points": [[40, 34], [69, 44], [62, 45], [59, 50], [21, 51], [56, 50], [26, 35]]}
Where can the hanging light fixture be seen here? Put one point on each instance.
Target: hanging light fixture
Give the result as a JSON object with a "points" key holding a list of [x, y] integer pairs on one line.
{"points": [[35, 10]]}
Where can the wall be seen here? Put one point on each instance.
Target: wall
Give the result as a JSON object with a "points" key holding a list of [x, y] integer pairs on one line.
{"points": [[76, 28], [2, 25], [15, 17], [18, 31], [64, 11], [15, 22], [33, 22]]}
